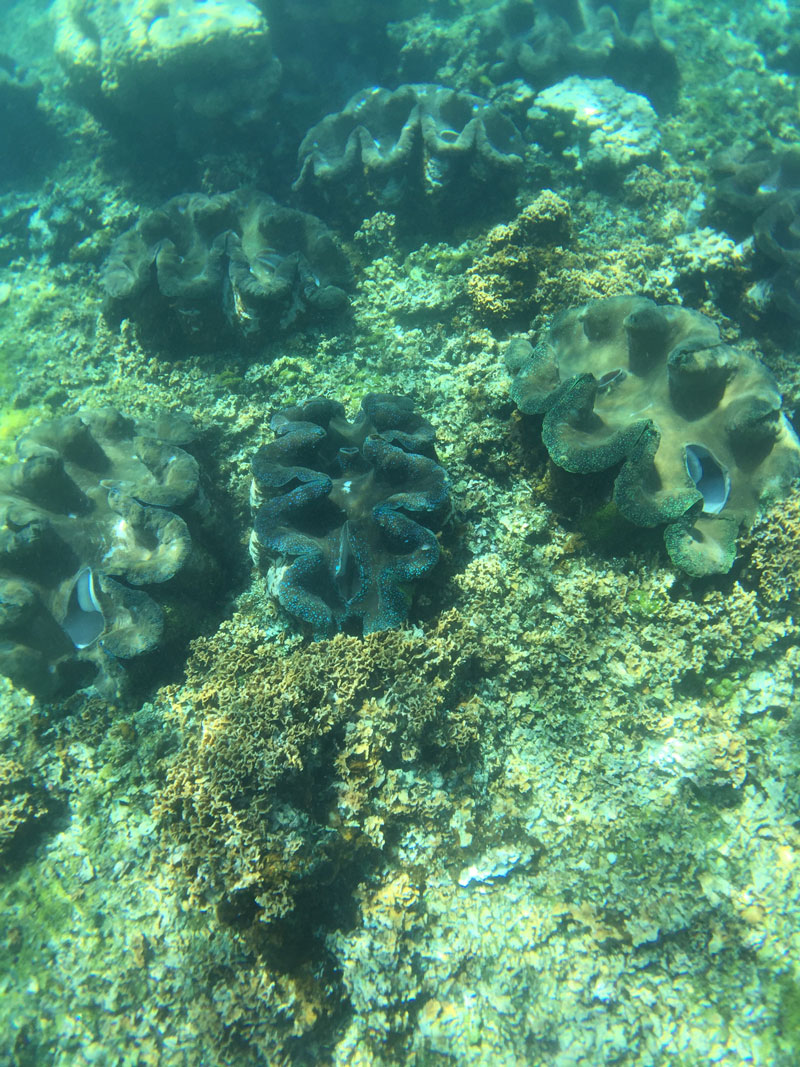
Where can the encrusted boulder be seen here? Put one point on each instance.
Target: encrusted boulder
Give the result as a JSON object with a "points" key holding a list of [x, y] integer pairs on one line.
{"points": [[424, 152], [298, 763], [695, 423], [238, 264], [89, 521], [181, 74], [604, 130], [346, 512]]}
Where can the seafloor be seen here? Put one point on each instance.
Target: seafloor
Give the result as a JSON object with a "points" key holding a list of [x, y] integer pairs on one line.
{"points": [[563, 799]]}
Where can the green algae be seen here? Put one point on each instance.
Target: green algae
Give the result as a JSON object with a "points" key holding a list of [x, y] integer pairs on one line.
{"points": [[646, 604]]}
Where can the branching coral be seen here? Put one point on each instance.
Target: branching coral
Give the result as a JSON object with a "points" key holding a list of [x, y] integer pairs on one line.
{"points": [[299, 763]]}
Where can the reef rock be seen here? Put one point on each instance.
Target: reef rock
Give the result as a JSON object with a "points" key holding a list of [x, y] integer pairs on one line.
{"points": [[696, 424], [347, 511], [24, 807], [603, 129], [87, 519], [502, 282], [200, 267], [424, 152], [178, 72]]}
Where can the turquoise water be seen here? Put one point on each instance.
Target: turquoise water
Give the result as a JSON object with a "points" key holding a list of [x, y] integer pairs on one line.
{"points": [[455, 729]]}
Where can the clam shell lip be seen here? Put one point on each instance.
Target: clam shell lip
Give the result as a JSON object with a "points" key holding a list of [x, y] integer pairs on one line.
{"points": [[610, 377], [84, 621], [710, 476]]}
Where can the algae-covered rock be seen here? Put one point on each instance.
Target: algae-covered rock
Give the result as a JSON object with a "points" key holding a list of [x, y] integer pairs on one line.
{"points": [[175, 71], [695, 423], [203, 267], [301, 757], [501, 282], [603, 129], [426, 152], [87, 523], [23, 803], [349, 511]]}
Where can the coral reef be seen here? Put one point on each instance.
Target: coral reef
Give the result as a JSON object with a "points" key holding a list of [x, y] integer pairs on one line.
{"points": [[500, 282], [697, 423], [546, 41], [761, 196], [431, 155], [200, 267], [297, 766], [181, 74], [772, 551], [552, 819], [23, 803], [541, 42], [349, 509], [603, 130], [88, 517]]}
